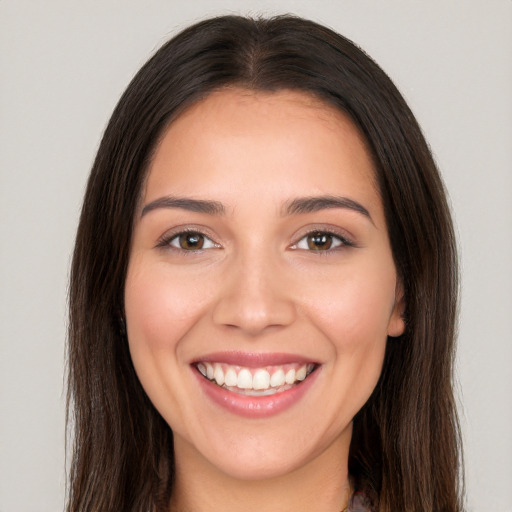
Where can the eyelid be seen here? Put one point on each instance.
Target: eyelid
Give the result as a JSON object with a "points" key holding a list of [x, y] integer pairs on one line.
{"points": [[334, 231], [345, 239], [165, 240]]}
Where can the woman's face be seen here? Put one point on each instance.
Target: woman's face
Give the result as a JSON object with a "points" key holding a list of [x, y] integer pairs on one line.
{"points": [[261, 286]]}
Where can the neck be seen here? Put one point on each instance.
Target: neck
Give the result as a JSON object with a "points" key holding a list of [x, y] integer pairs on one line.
{"points": [[321, 484]]}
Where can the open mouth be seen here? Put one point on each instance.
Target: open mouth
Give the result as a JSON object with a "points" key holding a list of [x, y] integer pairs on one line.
{"points": [[264, 381]]}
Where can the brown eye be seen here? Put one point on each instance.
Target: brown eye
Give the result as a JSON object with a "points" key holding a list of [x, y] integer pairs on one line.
{"points": [[322, 241], [191, 241], [319, 241]]}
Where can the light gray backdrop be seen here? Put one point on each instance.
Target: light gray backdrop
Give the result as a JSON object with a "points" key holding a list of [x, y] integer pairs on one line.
{"points": [[63, 66]]}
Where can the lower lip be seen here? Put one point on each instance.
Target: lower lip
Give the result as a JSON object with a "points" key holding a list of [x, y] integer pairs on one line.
{"points": [[256, 406]]}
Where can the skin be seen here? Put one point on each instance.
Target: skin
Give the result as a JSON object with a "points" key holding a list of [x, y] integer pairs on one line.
{"points": [[258, 287]]}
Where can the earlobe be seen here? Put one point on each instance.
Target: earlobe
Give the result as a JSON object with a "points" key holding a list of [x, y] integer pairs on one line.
{"points": [[396, 325]]}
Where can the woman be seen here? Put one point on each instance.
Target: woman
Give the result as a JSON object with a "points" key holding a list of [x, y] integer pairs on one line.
{"points": [[263, 290]]}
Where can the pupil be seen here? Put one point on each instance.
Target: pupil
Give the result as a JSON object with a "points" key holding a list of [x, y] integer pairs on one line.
{"points": [[191, 241], [319, 241]]}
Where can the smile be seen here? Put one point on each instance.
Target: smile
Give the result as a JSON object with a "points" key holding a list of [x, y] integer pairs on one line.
{"points": [[264, 381]]}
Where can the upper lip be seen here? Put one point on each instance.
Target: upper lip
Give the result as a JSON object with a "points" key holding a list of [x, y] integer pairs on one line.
{"points": [[253, 359]]}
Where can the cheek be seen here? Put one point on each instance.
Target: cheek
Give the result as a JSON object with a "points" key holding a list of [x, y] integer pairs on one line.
{"points": [[354, 310], [351, 307], [161, 306]]}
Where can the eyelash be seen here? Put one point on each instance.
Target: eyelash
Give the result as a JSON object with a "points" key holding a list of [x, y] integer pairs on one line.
{"points": [[167, 241], [343, 241]]}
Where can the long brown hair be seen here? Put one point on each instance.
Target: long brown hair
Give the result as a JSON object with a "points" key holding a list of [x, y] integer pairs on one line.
{"points": [[405, 448]]}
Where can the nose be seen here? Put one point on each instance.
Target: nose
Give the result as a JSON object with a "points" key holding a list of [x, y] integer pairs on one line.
{"points": [[255, 297]]}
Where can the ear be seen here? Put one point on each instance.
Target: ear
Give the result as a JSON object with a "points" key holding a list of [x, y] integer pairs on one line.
{"points": [[396, 325]]}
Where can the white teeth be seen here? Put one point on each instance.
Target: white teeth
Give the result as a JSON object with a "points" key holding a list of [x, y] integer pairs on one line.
{"points": [[277, 379], [244, 379], [231, 378], [289, 378], [202, 368], [218, 374], [261, 380], [300, 374]]}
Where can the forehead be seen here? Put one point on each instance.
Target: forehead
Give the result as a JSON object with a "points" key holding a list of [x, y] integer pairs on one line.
{"points": [[244, 140]]}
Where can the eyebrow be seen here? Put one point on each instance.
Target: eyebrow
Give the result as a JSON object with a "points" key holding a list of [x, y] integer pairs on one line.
{"points": [[297, 206], [318, 203], [185, 203]]}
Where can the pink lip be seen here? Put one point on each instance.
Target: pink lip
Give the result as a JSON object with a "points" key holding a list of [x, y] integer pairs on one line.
{"points": [[253, 359], [255, 406]]}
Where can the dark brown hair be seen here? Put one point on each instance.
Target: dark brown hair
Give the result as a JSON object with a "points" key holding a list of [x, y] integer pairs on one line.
{"points": [[405, 448]]}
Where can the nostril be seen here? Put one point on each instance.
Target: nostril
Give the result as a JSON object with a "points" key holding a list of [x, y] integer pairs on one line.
{"points": [[254, 311]]}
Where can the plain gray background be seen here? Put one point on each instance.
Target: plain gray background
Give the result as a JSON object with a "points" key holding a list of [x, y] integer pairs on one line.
{"points": [[64, 65]]}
